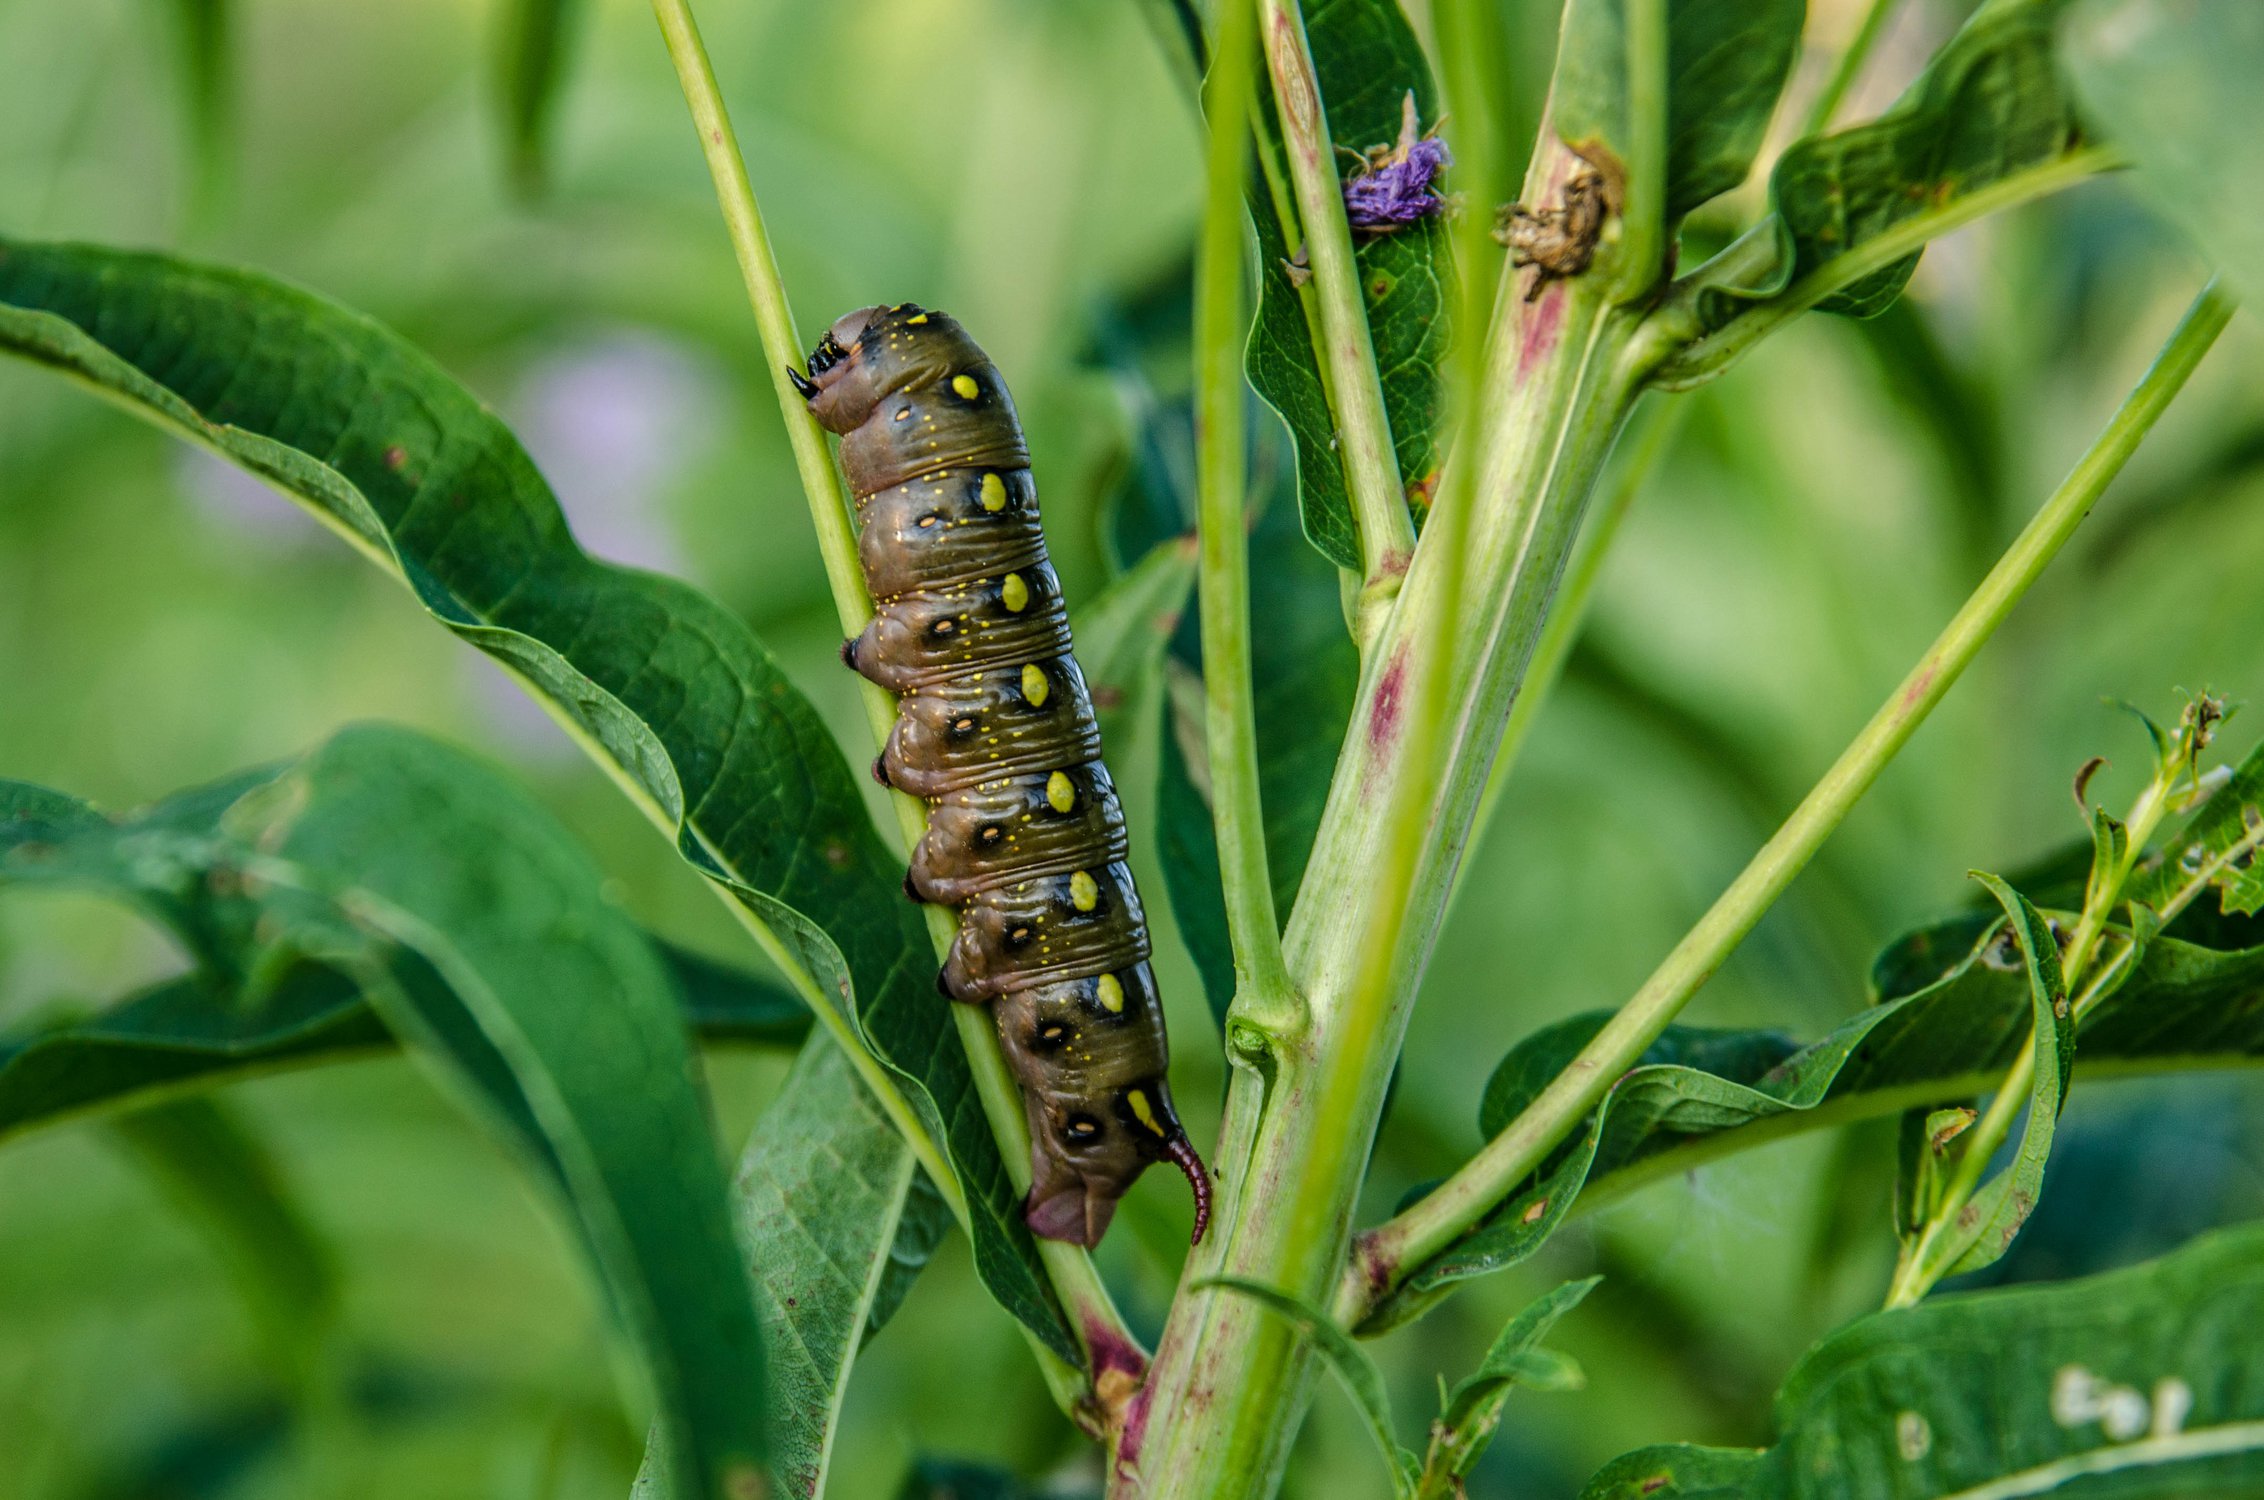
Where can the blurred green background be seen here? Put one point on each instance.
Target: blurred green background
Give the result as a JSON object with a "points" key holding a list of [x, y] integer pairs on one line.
{"points": [[1032, 165]]}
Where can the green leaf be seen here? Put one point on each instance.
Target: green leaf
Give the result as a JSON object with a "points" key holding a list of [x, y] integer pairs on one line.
{"points": [[555, 1021], [256, 1005], [2173, 83], [203, 48], [1702, 1093], [1727, 61], [959, 1479], [1353, 1365], [1304, 676], [1367, 60], [1988, 108], [664, 687], [2140, 1382], [2216, 847], [1473, 1410], [835, 1218], [534, 46], [1987, 1224]]}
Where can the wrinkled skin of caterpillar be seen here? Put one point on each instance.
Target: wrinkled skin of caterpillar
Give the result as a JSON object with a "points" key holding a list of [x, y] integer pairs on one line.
{"points": [[995, 731]]}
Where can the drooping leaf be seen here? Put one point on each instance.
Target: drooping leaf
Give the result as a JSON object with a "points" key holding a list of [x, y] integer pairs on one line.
{"points": [[2141, 1382], [662, 685], [255, 1004], [534, 46], [1700, 1093], [2172, 82], [553, 1021], [1353, 1365], [1367, 60], [835, 1218], [1989, 107], [1726, 63]]}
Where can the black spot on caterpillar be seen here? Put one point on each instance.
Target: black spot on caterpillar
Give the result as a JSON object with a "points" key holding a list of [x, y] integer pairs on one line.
{"points": [[995, 731]]}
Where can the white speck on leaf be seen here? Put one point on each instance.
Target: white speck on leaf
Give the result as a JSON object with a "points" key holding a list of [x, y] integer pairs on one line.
{"points": [[1913, 1437], [2123, 1413], [2173, 1403]]}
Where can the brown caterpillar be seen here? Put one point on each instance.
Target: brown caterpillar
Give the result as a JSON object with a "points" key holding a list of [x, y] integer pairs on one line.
{"points": [[995, 731]]}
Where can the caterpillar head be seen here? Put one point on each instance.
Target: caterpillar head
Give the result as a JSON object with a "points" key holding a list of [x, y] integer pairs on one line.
{"points": [[875, 352], [1090, 1055]]}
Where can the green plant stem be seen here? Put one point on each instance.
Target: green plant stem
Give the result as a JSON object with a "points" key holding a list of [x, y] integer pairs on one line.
{"points": [[1926, 1257], [1264, 996], [1348, 355], [1386, 1254], [1637, 263], [1846, 68], [1222, 1398], [1656, 425], [1074, 1278], [1680, 354]]}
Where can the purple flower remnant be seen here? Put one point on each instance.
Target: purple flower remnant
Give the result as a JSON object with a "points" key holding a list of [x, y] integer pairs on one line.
{"points": [[1392, 186]]}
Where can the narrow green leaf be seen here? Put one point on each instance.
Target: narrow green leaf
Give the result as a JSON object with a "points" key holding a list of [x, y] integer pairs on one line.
{"points": [[2173, 83], [835, 1218], [1987, 1224], [423, 847], [664, 687], [256, 1004], [1353, 1365], [1702, 1093], [1368, 61], [534, 47], [1122, 633], [2149, 1381], [203, 51]]}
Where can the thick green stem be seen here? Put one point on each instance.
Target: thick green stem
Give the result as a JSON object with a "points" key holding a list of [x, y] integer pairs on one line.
{"points": [[1389, 1252], [1348, 356], [1091, 1312], [1219, 1410], [1264, 997], [1657, 422]]}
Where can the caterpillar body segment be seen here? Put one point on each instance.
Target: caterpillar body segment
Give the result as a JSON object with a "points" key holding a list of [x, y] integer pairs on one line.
{"points": [[995, 731]]}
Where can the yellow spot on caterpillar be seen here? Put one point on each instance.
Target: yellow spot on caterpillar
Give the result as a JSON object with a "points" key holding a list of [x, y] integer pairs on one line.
{"points": [[1014, 593], [1035, 687], [902, 412], [915, 320], [1110, 994], [1142, 1110], [966, 387], [1084, 894], [1061, 796], [993, 493]]}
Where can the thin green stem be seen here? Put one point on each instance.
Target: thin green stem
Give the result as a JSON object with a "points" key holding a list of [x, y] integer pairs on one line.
{"points": [[1641, 254], [1067, 1266], [1371, 463], [1388, 1253], [1264, 997], [1680, 357], [1846, 68]]}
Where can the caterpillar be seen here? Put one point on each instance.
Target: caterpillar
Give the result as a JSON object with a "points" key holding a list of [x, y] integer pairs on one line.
{"points": [[995, 731]]}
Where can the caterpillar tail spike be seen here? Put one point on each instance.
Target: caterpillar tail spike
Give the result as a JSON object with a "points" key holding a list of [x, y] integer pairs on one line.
{"points": [[995, 732], [802, 383]]}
